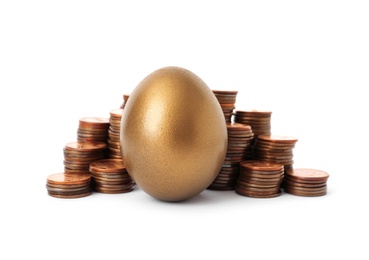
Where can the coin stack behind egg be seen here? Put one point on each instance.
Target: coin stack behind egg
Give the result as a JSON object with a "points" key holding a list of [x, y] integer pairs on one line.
{"points": [[125, 99], [227, 101], [239, 138], [260, 122], [305, 182], [275, 148], [93, 129], [79, 155], [114, 134], [259, 179], [110, 176]]}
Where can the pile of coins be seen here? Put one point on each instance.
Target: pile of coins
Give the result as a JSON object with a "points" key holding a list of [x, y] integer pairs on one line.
{"points": [[227, 101], [259, 179], [260, 122], [274, 148], [79, 155], [93, 129], [125, 99], [110, 176], [67, 186], [239, 138], [114, 134], [305, 182]]}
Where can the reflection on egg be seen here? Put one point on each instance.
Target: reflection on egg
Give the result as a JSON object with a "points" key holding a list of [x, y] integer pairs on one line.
{"points": [[173, 135]]}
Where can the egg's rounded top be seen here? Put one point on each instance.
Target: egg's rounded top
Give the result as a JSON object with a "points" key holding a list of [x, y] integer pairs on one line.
{"points": [[173, 134]]}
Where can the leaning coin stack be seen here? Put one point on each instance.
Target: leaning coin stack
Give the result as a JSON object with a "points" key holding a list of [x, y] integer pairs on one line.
{"points": [[227, 101], [259, 179], [68, 186], [93, 129], [274, 148], [239, 138], [114, 134], [79, 155], [305, 182], [260, 122], [125, 99], [110, 176]]}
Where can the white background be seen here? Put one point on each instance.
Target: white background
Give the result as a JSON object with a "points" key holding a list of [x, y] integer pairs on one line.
{"points": [[307, 61]]}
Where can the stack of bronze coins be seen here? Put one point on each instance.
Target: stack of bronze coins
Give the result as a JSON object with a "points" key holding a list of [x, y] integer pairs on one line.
{"points": [[260, 122], [227, 101], [79, 155], [259, 179], [274, 148], [125, 99], [93, 129], [114, 134], [110, 176], [68, 186], [305, 182], [239, 138]]}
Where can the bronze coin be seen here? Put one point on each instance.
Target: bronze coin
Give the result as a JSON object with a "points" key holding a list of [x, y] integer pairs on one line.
{"points": [[108, 165], [278, 139], [308, 174], [85, 146], [113, 191], [257, 194], [260, 165], [116, 113], [62, 178], [94, 122]]}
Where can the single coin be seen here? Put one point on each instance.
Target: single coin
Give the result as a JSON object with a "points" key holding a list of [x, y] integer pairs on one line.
{"points": [[75, 196], [62, 178], [85, 146], [308, 174]]}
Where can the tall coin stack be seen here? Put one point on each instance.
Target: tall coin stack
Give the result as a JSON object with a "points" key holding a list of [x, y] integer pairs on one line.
{"points": [[260, 122], [260, 179], [79, 155], [274, 148], [114, 134], [110, 176], [227, 101], [93, 129], [125, 99], [239, 138]]}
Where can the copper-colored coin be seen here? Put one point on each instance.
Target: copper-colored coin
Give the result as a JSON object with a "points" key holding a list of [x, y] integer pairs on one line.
{"points": [[260, 165], [108, 165], [62, 178], [112, 191], [85, 146], [225, 92], [257, 195], [306, 192], [94, 122], [308, 174], [278, 139]]}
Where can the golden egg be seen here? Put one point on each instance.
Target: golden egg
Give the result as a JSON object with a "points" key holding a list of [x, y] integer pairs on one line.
{"points": [[173, 135]]}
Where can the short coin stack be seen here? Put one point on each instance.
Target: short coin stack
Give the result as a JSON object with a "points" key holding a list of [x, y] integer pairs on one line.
{"points": [[260, 122], [79, 155], [62, 185], [93, 129], [305, 182], [114, 134], [125, 99], [259, 179], [239, 138], [110, 176], [274, 148], [227, 100]]}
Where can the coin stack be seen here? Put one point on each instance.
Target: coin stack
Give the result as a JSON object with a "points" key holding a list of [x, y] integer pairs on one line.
{"points": [[239, 138], [274, 148], [62, 185], [260, 122], [114, 134], [227, 101], [79, 155], [110, 176], [305, 182], [93, 129], [259, 179], [125, 99]]}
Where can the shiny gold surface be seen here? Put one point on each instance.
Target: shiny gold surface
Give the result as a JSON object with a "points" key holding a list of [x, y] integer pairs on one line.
{"points": [[173, 135]]}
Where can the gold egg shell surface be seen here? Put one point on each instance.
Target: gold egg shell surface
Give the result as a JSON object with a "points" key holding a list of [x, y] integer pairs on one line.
{"points": [[173, 135]]}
